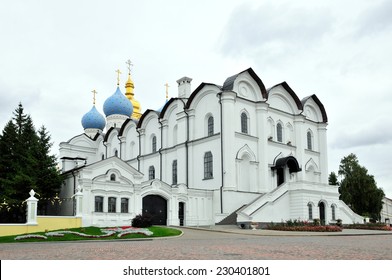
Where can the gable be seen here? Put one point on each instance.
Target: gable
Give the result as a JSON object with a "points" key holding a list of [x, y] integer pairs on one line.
{"points": [[283, 98], [101, 171]]}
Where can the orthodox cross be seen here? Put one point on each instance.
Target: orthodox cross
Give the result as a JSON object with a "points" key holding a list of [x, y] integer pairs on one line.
{"points": [[94, 94], [167, 90], [129, 63], [118, 76]]}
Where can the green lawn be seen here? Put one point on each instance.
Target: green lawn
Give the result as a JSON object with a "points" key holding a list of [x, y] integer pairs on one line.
{"points": [[95, 231]]}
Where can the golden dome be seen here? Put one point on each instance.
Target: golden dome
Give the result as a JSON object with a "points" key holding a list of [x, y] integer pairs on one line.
{"points": [[130, 95]]}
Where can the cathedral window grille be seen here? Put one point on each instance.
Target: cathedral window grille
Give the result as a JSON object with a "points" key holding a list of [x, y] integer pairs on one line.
{"points": [[333, 208], [279, 132], [112, 205], [151, 173], [154, 144], [310, 211], [309, 140], [244, 123], [124, 205], [98, 204], [210, 126], [208, 164], [174, 172]]}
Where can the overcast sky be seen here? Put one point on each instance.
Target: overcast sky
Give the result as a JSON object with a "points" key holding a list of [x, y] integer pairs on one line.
{"points": [[54, 53]]}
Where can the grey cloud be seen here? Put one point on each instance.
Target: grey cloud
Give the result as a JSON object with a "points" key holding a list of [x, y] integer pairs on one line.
{"points": [[272, 27], [375, 19], [369, 135]]}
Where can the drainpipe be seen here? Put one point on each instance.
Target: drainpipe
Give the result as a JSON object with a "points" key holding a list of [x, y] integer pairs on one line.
{"points": [[221, 137], [74, 188], [160, 151], [140, 149]]}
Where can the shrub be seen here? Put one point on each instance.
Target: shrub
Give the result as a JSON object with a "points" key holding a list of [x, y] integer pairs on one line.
{"points": [[142, 221]]}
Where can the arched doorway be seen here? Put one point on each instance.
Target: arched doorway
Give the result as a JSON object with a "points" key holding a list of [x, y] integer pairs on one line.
{"points": [[321, 206], [282, 164], [156, 206]]}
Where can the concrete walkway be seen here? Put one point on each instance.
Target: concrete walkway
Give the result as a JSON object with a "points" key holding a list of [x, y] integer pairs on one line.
{"points": [[264, 232]]}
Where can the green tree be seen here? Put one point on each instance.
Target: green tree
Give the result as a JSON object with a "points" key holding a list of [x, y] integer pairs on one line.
{"points": [[358, 189], [333, 179], [25, 163]]}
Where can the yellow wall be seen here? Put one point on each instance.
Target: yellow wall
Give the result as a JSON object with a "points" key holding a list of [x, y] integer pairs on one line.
{"points": [[44, 223]]}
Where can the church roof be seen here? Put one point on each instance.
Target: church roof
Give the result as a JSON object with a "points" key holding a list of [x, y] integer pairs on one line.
{"points": [[291, 92], [229, 83], [319, 104]]}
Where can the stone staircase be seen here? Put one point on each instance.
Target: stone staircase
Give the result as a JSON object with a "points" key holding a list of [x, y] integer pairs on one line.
{"points": [[231, 219]]}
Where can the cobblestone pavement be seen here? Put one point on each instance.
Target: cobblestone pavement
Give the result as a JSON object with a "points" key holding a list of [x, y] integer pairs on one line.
{"points": [[214, 245]]}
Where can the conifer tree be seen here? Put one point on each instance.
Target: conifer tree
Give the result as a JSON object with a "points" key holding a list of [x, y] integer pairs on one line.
{"points": [[25, 164]]}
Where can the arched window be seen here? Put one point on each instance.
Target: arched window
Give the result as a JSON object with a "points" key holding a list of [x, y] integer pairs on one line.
{"points": [[174, 172], [116, 153], [113, 177], [208, 163], [103, 157], [151, 173], [154, 144], [279, 132], [310, 211], [210, 126], [244, 123], [309, 140], [333, 208]]}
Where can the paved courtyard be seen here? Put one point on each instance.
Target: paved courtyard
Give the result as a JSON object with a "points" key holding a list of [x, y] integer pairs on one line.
{"points": [[215, 245]]}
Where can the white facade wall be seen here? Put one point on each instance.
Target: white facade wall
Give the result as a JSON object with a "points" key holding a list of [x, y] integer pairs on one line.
{"points": [[244, 162]]}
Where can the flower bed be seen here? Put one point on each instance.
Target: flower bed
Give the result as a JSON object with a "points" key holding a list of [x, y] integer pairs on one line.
{"points": [[306, 228], [298, 225], [30, 236], [106, 232], [371, 226]]}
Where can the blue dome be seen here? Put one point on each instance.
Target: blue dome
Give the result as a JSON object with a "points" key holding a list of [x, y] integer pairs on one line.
{"points": [[93, 119], [118, 104]]}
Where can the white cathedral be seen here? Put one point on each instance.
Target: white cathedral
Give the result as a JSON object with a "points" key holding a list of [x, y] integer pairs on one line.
{"points": [[238, 152]]}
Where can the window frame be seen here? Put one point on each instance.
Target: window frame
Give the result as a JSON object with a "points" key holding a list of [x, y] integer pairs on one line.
{"points": [[309, 140], [333, 210], [174, 172], [210, 126], [310, 211], [112, 204], [154, 144], [124, 205], [151, 172], [98, 205], [244, 123], [279, 132], [208, 165]]}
